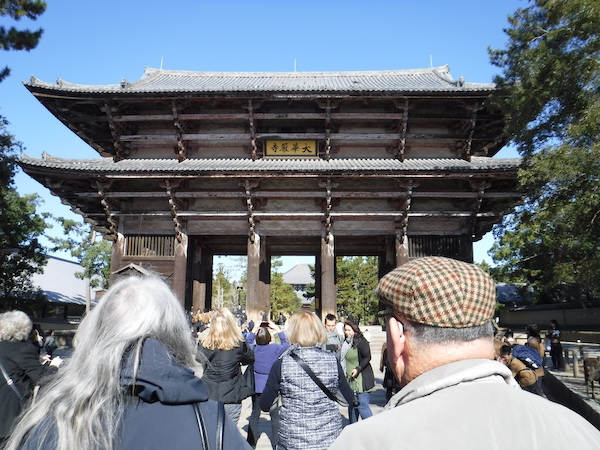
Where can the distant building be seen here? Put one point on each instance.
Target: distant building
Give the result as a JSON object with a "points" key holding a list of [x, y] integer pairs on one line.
{"points": [[65, 293], [299, 277]]}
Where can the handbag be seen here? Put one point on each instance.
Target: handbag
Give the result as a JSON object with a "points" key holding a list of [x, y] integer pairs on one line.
{"points": [[247, 385]]}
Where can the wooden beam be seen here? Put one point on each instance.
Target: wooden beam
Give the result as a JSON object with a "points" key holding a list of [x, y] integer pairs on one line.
{"points": [[290, 215], [79, 117], [305, 194], [237, 137]]}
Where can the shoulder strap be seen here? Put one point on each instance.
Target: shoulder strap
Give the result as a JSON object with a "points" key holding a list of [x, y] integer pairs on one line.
{"points": [[10, 381], [201, 427], [311, 374], [220, 425]]}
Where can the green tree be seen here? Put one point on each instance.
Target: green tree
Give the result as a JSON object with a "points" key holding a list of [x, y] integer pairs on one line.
{"points": [[310, 293], [89, 248], [549, 89], [21, 255], [224, 293], [13, 39], [357, 277], [283, 297]]}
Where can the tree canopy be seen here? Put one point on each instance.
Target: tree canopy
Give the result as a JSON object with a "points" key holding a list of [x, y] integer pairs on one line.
{"points": [[12, 38], [21, 255], [357, 277], [549, 89], [283, 296]]}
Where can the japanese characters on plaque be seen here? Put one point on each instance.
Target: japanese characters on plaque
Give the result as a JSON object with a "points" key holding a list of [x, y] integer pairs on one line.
{"points": [[290, 149]]}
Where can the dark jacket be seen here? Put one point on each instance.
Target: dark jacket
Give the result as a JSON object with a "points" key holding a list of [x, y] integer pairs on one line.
{"points": [[223, 374], [161, 414], [22, 363], [364, 364]]}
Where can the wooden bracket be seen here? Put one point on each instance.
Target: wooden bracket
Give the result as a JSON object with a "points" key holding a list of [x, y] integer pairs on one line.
{"points": [[181, 149]]}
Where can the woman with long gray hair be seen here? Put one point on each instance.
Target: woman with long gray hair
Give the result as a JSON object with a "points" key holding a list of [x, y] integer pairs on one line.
{"points": [[132, 381]]}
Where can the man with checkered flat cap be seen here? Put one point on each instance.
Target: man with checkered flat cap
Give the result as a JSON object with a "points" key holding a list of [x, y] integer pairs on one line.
{"points": [[454, 394]]}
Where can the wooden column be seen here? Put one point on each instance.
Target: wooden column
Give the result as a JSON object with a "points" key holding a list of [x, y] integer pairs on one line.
{"points": [[180, 267], [201, 276], [387, 261], [116, 260], [328, 287], [257, 279], [401, 251]]}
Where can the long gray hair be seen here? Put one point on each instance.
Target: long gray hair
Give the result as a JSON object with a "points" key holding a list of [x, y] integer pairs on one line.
{"points": [[85, 401]]}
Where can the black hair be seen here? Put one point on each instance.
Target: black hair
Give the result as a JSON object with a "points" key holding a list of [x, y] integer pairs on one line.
{"points": [[357, 333], [533, 330]]}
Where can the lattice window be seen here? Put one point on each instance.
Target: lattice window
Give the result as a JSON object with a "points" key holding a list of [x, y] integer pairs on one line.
{"points": [[449, 246], [158, 246]]}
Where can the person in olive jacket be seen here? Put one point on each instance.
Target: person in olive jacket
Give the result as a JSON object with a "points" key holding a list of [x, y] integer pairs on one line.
{"points": [[226, 350], [356, 362]]}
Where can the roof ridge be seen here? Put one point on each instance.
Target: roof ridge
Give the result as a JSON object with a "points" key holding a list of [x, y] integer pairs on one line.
{"points": [[445, 69]]}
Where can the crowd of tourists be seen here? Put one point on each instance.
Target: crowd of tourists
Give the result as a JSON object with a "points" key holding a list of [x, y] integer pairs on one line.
{"points": [[137, 379]]}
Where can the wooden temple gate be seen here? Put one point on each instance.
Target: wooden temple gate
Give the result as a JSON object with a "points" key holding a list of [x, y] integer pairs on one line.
{"points": [[395, 164]]}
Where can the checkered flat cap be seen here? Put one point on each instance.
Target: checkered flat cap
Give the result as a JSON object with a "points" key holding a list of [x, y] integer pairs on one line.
{"points": [[440, 292]]}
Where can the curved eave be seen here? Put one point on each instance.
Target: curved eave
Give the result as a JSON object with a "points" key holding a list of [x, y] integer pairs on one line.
{"points": [[283, 167], [155, 82]]}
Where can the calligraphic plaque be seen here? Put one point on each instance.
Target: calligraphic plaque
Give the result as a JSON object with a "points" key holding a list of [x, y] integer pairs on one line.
{"points": [[290, 149]]}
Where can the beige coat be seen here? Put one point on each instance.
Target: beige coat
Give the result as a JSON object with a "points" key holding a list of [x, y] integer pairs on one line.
{"points": [[471, 404]]}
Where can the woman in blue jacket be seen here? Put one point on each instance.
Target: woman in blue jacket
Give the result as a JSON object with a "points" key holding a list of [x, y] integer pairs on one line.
{"points": [[265, 354]]}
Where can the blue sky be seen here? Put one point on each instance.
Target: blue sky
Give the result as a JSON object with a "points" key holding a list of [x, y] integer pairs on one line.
{"points": [[92, 42]]}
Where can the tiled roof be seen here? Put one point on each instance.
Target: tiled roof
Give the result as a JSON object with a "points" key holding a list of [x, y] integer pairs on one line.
{"points": [[436, 79], [299, 274], [59, 283], [198, 166]]}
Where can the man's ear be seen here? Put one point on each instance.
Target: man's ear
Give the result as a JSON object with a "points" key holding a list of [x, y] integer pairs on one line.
{"points": [[395, 339]]}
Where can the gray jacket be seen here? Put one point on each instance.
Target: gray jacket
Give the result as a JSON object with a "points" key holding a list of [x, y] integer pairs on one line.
{"points": [[334, 343], [308, 418], [470, 404]]}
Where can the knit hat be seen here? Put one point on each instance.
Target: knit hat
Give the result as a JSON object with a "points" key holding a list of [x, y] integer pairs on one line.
{"points": [[440, 292]]}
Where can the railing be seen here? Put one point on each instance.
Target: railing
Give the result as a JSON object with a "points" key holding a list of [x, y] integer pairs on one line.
{"points": [[144, 246]]}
